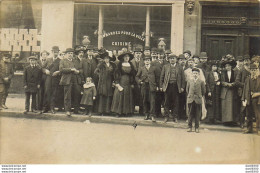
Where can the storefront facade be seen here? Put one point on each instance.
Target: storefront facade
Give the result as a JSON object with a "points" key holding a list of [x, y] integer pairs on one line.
{"points": [[217, 27]]}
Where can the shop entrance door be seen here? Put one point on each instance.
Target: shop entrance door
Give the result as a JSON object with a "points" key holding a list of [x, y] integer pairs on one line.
{"points": [[254, 43]]}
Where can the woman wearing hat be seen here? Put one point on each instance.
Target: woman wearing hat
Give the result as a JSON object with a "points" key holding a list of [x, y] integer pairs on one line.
{"points": [[124, 81], [227, 94], [105, 72]]}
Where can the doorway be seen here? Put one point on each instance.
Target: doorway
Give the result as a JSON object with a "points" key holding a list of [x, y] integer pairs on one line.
{"points": [[254, 46]]}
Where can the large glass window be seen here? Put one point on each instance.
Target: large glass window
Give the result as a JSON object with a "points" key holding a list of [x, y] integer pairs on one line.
{"points": [[124, 25]]}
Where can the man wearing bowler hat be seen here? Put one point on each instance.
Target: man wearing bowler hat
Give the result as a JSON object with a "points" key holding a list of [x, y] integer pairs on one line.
{"points": [[8, 72], [138, 62], [32, 80], [172, 83], [70, 70], [149, 82]]}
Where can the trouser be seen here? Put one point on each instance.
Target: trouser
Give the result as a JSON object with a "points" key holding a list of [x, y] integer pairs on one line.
{"points": [[171, 100], [194, 112], [27, 101], [1, 93], [88, 108], [159, 97], [71, 93], [56, 97], [5, 94], [148, 99], [182, 106], [256, 110]]}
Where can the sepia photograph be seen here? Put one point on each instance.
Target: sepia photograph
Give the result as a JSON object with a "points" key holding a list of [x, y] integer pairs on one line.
{"points": [[130, 82]]}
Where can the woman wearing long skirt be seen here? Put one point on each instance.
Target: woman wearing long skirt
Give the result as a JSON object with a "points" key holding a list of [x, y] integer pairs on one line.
{"points": [[228, 92], [105, 72], [124, 83]]}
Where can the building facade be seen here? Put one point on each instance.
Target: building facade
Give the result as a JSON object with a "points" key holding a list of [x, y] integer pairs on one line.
{"points": [[217, 27]]}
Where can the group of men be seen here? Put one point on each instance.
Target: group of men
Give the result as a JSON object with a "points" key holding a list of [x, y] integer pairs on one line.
{"points": [[185, 86]]}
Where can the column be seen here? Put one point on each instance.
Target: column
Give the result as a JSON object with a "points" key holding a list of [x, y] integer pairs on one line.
{"points": [[177, 27], [100, 27], [147, 27], [57, 24]]}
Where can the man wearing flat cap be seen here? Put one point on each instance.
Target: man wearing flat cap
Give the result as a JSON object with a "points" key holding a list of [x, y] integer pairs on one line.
{"points": [[70, 70], [7, 74], [251, 98], [32, 80], [138, 62], [148, 79], [171, 83]]}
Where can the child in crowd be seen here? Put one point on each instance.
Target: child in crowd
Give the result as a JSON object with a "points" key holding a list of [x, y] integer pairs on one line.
{"points": [[195, 91], [89, 95]]}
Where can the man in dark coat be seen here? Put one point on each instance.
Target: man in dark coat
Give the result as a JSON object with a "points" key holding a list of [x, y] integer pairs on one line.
{"points": [[53, 91], [8, 72], [138, 62], [171, 83], [41, 97], [251, 98], [32, 80], [89, 65], [149, 81], [71, 69], [240, 81]]}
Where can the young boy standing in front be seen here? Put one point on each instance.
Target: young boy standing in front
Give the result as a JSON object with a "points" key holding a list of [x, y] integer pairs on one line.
{"points": [[195, 91]]}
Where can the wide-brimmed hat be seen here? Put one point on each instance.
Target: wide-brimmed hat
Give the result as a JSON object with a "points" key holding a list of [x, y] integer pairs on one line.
{"points": [[154, 50], [239, 58], [246, 57], [45, 51], [147, 57], [69, 50], [187, 51], [195, 56], [172, 56], [253, 66], [167, 51], [138, 49], [229, 61], [203, 55], [120, 57], [79, 48], [103, 53], [181, 56], [55, 48], [32, 57]]}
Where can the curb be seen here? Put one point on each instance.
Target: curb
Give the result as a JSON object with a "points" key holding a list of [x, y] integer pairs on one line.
{"points": [[130, 121]]}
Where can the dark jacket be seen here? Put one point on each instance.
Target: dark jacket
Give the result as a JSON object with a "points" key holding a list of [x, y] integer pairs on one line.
{"points": [[32, 78], [151, 75], [89, 66], [165, 77], [240, 80], [251, 86], [65, 69], [105, 78], [211, 83], [8, 71], [136, 64]]}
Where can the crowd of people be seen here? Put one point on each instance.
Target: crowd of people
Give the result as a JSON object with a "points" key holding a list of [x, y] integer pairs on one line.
{"points": [[154, 82]]}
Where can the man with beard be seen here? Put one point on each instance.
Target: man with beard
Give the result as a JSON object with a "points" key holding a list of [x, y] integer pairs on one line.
{"points": [[240, 80], [71, 69], [138, 62], [172, 83]]}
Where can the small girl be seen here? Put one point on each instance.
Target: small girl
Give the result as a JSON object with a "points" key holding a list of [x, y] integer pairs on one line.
{"points": [[89, 95]]}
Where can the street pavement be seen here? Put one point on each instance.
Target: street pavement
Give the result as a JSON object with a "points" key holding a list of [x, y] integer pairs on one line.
{"points": [[35, 141], [16, 102]]}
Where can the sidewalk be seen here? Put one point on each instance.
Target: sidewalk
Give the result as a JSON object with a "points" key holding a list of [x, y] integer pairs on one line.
{"points": [[15, 103]]}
